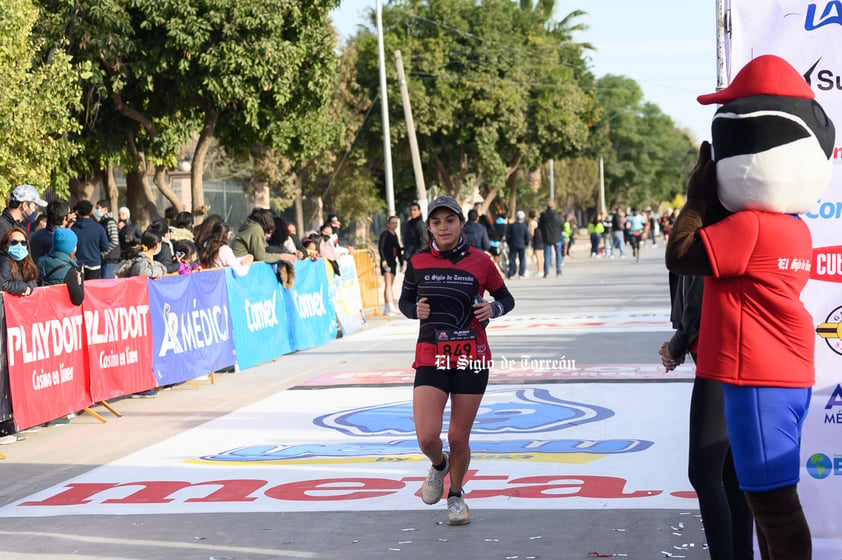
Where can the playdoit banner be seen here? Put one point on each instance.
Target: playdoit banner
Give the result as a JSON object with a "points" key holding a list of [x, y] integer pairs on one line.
{"points": [[258, 315], [5, 395], [119, 337], [809, 36], [191, 326], [45, 348]]}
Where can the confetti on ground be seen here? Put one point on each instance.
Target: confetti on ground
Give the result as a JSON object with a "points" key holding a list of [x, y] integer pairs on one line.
{"points": [[536, 537]]}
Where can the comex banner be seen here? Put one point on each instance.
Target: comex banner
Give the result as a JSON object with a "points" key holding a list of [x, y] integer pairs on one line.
{"points": [[258, 315], [809, 36]]}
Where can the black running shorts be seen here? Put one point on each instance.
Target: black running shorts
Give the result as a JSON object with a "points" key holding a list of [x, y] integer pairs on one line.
{"points": [[453, 381]]}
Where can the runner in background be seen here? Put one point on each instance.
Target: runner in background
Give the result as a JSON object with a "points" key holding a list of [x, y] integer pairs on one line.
{"points": [[637, 231], [391, 253]]}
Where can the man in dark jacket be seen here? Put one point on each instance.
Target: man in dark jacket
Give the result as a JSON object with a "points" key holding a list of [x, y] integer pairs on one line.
{"points": [[414, 232], [517, 238], [130, 232], [111, 257], [58, 215], [92, 241], [22, 209], [552, 228], [475, 234]]}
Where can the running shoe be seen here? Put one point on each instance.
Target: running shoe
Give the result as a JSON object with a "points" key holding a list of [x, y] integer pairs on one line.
{"points": [[457, 511], [433, 488]]}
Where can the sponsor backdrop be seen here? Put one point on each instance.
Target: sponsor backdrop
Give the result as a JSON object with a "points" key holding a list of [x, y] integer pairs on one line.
{"points": [[541, 446], [191, 326], [258, 315], [47, 356], [309, 306], [119, 337], [809, 36]]}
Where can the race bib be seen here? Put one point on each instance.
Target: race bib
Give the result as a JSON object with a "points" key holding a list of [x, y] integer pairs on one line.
{"points": [[453, 345]]}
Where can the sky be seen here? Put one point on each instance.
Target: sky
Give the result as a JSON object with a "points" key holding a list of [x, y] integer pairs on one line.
{"points": [[667, 47]]}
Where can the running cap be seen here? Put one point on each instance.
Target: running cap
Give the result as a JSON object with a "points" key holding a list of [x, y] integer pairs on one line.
{"points": [[445, 202]]}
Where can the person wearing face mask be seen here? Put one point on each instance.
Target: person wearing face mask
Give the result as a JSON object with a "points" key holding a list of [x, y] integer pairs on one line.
{"points": [[19, 277], [92, 241], [143, 262], [22, 210], [251, 238], [18, 273], [166, 253]]}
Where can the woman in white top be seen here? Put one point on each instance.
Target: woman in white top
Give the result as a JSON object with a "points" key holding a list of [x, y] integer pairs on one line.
{"points": [[217, 252]]}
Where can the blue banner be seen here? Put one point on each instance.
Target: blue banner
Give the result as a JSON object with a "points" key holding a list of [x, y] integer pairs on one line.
{"points": [[191, 326], [310, 308], [258, 314]]}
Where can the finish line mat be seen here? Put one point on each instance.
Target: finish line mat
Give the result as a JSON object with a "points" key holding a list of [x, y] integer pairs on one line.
{"points": [[550, 446]]}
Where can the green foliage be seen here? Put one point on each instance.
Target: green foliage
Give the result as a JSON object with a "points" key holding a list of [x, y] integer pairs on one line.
{"points": [[647, 159], [491, 86], [36, 103]]}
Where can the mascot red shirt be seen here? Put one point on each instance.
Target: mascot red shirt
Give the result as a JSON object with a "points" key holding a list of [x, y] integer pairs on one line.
{"points": [[751, 302], [770, 161]]}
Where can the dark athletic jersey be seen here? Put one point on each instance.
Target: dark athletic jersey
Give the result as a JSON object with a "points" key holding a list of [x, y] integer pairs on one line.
{"points": [[451, 281]]}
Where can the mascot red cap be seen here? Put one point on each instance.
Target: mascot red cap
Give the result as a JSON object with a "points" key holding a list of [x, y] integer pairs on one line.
{"points": [[769, 119]]}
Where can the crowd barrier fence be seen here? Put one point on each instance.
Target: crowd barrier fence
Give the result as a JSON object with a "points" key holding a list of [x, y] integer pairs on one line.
{"points": [[367, 264], [134, 334]]}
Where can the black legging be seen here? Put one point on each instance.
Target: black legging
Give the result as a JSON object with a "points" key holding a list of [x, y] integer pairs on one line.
{"points": [[726, 516]]}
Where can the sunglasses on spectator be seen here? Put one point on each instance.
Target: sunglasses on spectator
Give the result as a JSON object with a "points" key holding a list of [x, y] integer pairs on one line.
{"points": [[17, 242]]}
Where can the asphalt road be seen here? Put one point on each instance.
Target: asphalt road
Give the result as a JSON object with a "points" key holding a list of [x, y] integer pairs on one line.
{"points": [[609, 316]]}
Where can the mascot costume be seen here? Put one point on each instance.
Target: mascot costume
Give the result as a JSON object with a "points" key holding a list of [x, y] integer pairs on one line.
{"points": [[769, 162]]}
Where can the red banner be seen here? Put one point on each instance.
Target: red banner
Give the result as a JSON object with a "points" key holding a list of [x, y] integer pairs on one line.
{"points": [[45, 346], [119, 331]]}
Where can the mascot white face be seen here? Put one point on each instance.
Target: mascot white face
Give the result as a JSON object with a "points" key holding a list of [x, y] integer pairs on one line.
{"points": [[768, 121]]}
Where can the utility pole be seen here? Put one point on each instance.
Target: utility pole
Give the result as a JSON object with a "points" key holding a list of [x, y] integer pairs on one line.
{"points": [[384, 109], [552, 181], [420, 189], [602, 187]]}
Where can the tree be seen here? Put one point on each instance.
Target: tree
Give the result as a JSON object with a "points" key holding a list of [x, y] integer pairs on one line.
{"points": [[36, 103], [491, 87], [246, 73], [647, 159]]}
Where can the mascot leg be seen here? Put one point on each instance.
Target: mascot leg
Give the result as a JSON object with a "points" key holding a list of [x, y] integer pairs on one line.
{"points": [[782, 529]]}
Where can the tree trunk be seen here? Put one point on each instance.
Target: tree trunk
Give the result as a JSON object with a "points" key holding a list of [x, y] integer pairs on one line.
{"points": [[512, 180], [111, 191], [299, 207], [197, 192], [83, 188], [165, 186]]}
